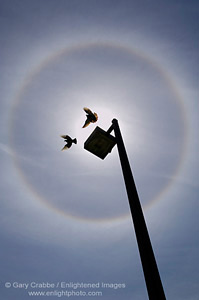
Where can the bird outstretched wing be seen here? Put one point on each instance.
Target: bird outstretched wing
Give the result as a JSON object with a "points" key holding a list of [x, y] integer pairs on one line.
{"points": [[88, 111], [65, 148], [87, 122], [67, 137]]}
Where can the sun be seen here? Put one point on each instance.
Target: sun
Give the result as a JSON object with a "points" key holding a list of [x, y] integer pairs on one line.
{"points": [[71, 120]]}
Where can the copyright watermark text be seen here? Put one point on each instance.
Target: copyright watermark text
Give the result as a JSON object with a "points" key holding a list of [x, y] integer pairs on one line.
{"points": [[64, 289]]}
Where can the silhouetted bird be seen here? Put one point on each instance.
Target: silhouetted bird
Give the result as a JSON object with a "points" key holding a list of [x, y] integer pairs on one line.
{"points": [[91, 117], [68, 141]]}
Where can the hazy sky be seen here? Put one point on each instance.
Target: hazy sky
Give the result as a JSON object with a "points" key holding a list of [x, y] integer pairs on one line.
{"points": [[65, 215]]}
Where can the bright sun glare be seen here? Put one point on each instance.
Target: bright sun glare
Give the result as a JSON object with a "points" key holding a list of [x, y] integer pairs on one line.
{"points": [[105, 117]]}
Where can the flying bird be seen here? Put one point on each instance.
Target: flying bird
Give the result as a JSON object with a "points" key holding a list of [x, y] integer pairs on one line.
{"points": [[69, 141], [90, 117]]}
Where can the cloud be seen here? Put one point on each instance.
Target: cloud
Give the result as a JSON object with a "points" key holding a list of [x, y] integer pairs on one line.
{"points": [[6, 149]]}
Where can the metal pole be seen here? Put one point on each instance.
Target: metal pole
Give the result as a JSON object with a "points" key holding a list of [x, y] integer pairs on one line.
{"points": [[150, 269]]}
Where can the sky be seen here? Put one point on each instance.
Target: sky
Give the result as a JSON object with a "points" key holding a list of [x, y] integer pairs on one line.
{"points": [[65, 217]]}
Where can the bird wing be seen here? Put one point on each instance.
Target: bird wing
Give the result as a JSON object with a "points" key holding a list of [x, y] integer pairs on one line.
{"points": [[88, 111], [67, 137], [65, 148], [87, 122]]}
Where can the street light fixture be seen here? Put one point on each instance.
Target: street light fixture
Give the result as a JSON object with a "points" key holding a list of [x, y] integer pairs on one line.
{"points": [[101, 143]]}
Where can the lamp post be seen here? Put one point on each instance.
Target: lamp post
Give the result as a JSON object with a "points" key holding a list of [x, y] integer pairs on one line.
{"points": [[150, 269]]}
